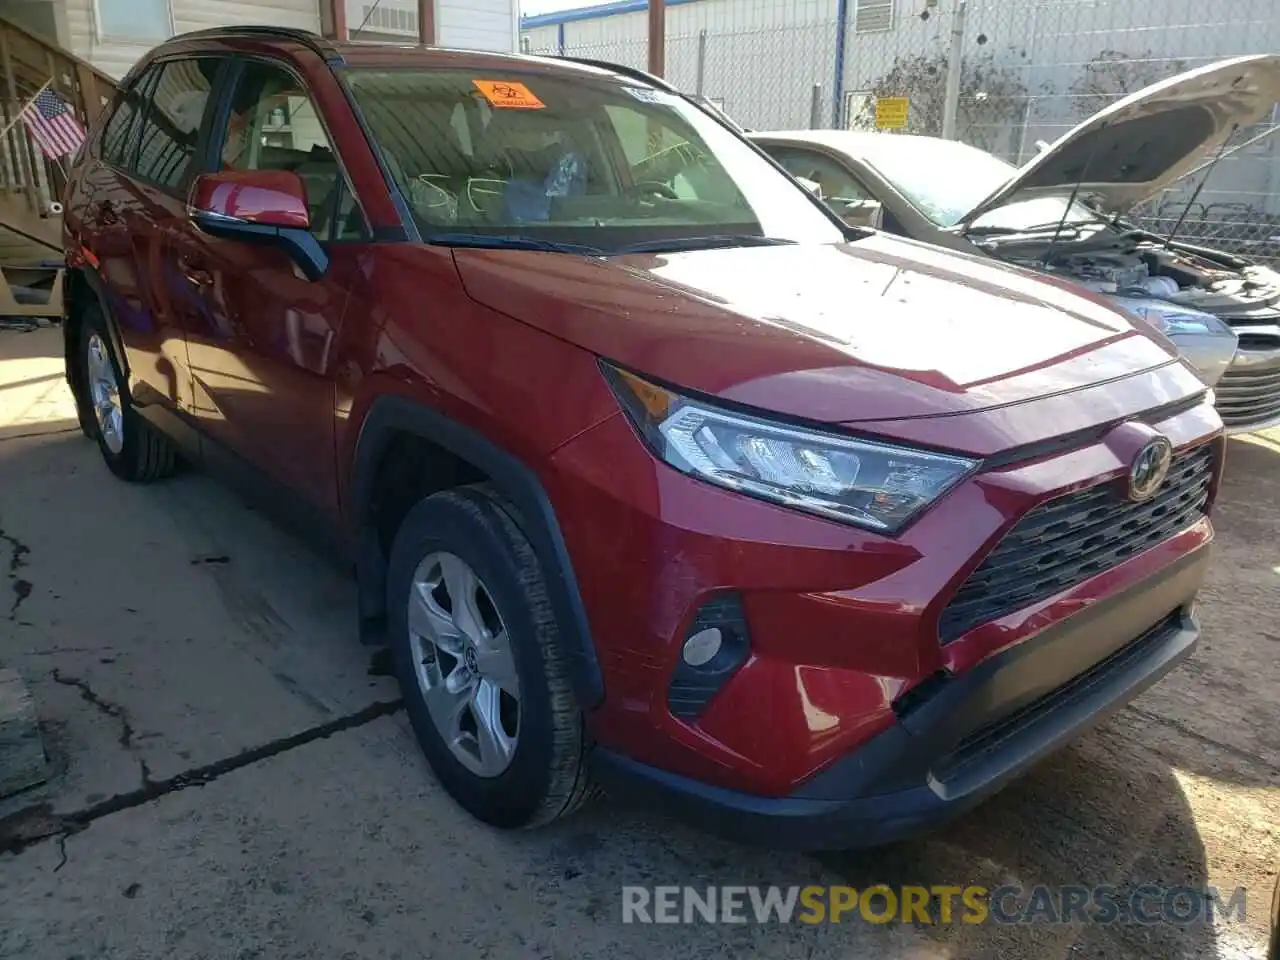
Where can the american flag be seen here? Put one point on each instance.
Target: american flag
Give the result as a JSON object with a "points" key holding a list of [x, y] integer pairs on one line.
{"points": [[52, 125]]}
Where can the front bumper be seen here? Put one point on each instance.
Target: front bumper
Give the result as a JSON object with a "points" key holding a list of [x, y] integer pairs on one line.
{"points": [[967, 737], [843, 624]]}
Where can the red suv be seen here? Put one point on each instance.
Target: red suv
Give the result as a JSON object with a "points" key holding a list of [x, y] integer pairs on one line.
{"points": [[648, 467]]}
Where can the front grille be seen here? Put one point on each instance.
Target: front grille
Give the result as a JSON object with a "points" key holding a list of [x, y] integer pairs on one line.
{"points": [[1069, 539], [1248, 397]]}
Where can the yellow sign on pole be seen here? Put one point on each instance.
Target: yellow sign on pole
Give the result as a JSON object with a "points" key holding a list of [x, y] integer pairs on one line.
{"points": [[891, 112]]}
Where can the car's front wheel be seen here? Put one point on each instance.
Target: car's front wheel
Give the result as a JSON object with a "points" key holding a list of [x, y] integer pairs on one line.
{"points": [[479, 659], [131, 447]]}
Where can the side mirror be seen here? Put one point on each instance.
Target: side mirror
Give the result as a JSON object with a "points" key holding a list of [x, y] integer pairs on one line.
{"points": [[862, 213], [258, 206]]}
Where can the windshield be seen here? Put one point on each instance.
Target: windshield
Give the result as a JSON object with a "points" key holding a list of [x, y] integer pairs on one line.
{"points": [[945, 179], [597, 164]]}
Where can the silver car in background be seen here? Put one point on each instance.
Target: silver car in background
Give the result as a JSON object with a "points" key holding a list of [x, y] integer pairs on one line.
{"points": [[1061, 212]]}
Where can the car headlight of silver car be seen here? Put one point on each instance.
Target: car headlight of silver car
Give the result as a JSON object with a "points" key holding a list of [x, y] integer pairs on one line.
{"points": [[1172, 318], [877, 486]]}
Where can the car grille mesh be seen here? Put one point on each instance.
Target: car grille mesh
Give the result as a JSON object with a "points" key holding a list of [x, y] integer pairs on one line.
{"points": [[1069, 539]]}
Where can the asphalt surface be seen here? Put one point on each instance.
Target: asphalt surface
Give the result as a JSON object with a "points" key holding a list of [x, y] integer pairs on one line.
{"points": [[235, 779]]}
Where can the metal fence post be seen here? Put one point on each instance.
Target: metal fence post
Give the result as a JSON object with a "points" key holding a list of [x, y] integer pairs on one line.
{"points": [[955, 66], [837, 84], [702, 63], [658, 37], [815, 107]]}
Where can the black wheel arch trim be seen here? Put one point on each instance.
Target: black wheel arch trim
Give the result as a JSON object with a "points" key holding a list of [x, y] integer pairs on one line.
{"points": [[391, 416], [96, 289]]}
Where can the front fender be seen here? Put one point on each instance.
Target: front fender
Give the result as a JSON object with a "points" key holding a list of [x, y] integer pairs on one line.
{"points": [[390, 416]]}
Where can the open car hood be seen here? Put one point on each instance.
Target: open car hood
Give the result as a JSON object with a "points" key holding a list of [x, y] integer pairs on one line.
{"points": [[1141, 144]]}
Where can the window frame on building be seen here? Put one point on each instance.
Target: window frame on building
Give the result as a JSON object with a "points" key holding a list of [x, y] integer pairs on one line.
{"points": [[106, 32]]}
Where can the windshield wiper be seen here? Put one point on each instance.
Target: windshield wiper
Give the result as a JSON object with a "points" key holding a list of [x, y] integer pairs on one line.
{"points": [[673, 244], [501, 242]]}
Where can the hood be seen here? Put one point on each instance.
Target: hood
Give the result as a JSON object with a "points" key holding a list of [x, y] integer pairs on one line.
{"points": [[1141, 144], [878, 329]]}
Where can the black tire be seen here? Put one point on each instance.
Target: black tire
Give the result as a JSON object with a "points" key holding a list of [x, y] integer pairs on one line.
{"points": [[547, 776], [146, 454]]}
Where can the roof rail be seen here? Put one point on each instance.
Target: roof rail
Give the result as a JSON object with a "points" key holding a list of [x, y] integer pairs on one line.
{"points": [[624, 71], [313, 41]]}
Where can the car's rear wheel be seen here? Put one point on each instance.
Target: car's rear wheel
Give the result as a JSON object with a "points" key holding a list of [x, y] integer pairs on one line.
{"points": [[132, 448], [479, 660]]}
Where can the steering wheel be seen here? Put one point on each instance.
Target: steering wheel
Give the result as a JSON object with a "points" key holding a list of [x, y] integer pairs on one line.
{"points": [[655, 187]]}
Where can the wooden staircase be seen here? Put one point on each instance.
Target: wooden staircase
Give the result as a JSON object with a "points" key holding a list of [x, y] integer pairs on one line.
{"points": [[31, 183]]}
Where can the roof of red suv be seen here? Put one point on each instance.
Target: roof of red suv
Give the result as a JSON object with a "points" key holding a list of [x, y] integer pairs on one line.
{"points": [[391, 55]]}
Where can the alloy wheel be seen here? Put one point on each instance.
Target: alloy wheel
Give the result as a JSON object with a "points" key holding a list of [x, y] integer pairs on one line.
{"points": [[464, 665], [105, 394]]}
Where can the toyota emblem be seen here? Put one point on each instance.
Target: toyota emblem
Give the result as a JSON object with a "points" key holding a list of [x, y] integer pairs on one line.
{"points": [[1149, 468]]}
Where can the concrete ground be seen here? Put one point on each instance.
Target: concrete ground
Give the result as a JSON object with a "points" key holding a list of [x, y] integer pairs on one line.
{"points": [[236, 781]]}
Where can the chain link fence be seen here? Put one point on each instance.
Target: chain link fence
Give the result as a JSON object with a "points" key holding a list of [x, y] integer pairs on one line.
{"points": [[1030, 70]]}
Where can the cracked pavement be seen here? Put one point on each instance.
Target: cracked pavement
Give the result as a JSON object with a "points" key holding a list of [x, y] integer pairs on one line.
{"points": [[20, 587], [236, 780]]}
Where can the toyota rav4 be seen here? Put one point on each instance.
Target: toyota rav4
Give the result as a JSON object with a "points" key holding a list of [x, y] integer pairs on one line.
{"points": [[648, 467]]}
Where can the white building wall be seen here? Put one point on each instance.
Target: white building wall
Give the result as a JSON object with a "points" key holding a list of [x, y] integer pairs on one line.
{"points": [[541, 40], [472, 24], [478, 24], [619, 39], [762, 56], [465, 24], [115, 55]]}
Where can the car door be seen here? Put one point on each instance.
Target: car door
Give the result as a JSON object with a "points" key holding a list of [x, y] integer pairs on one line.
{"points": [[260, 334], [168, 147], [122, 235]]}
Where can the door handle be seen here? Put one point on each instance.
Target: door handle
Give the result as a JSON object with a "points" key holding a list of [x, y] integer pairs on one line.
{"points": [[197, 274]]}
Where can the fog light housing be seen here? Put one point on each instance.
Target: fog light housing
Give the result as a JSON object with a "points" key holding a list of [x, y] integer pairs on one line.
{"points": [[715, 646]]}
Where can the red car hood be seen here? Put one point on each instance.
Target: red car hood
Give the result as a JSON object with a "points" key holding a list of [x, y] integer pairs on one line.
{"points": [[879, 329]]}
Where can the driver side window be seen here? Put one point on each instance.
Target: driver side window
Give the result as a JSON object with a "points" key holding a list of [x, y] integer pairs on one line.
{"points": [[838, 184], [273, 125]]}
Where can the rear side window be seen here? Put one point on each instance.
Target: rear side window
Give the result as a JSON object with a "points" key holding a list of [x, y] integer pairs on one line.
{"points": [[171, 128], [119, 138]]}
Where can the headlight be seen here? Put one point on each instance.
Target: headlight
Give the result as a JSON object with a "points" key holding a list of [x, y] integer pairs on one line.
{"points": [[1171, 318], [873, 485]]}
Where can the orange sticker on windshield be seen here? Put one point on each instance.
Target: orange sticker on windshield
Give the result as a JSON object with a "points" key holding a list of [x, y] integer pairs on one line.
{"points": [[508, 93]]}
